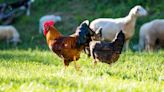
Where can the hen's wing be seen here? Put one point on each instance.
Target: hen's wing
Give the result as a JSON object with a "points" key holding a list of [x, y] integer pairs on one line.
{"points": [[104, 46]]}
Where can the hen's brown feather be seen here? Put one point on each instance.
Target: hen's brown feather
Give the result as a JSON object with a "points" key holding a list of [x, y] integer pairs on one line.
{"points": [[107, 52]]}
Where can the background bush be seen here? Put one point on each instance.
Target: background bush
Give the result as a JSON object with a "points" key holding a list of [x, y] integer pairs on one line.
{"points": [[73, 12]]}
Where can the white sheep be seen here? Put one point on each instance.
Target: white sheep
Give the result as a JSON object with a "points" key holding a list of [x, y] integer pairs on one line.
{"points": [[150, 32], [47, 18], [10, 34], [112, 26]]}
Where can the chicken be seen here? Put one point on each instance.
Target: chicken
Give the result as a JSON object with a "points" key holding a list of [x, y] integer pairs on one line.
{"points": [[97, 37], [107, 52], [68, 47]]}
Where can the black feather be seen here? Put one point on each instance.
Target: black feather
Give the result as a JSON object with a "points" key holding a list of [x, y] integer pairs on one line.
{"points": [[84, 35], [119, 42]]}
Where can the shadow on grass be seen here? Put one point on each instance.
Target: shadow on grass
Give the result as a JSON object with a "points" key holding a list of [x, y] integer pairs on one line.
{"points": [[29, 57]]}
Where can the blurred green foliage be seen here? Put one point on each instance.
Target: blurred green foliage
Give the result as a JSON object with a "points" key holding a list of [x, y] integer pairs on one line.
{"points": [[73, 12]]}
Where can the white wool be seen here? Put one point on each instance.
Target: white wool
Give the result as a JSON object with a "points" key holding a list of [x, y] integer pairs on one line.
{"points": [[149, 33], [47, 18], [9, 33], [112, 26]]}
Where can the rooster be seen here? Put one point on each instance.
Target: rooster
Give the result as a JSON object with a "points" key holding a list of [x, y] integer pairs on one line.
{"points": [[107, 52], [68, 47]]}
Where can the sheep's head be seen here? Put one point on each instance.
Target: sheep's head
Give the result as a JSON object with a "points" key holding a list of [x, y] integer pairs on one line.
{"points": [[15, 40], [97, 35], [138, 11], [57, 18]]}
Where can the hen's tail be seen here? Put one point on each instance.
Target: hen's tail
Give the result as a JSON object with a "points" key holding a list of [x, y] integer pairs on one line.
{"points": [[84, 34], [119, 41]]}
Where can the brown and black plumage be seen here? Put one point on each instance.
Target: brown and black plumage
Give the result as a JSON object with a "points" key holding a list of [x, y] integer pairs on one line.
{"points": [[107, 52], [68, 47]]}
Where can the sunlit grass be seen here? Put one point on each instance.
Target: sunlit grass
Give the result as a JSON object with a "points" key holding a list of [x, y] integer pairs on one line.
{"points": [[30, 67], [35, 70]]}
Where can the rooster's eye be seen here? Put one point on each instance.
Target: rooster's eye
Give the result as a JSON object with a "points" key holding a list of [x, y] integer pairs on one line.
{"points": [[47, 28]]}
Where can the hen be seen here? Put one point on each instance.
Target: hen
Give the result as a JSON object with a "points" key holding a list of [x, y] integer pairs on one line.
{"points": [[68, 47], [107, 52]]}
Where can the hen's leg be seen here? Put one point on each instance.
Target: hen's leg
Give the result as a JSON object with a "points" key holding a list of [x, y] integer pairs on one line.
{"points": [[95, 62], [93, 56]]}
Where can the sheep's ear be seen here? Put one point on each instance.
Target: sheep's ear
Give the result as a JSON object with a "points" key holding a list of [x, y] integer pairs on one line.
{"points": [[99, 31], [58, 18], [86, 21]]}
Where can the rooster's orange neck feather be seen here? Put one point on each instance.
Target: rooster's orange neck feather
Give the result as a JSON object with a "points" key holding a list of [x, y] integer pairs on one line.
{"points": [[52, 34]]}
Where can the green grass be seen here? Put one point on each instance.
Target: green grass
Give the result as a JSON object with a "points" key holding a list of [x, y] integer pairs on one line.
{"points": [[74, 12], [32, 67], [35, 70]]}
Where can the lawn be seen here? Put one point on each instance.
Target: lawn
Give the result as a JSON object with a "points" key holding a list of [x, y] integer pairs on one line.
{"points": [[32, 67], [40, 71]]}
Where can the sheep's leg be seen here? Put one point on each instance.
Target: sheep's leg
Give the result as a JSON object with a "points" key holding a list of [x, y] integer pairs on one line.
{"points": [[7, 41], [152, 47], [142, 43], [77, 67], [149, 48], [28, 8], [126, 45], [28, 11]]}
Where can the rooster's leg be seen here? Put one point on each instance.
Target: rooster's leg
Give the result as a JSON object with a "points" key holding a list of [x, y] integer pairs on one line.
{"points": [[65, 67], [77, 67], [66, 63]]}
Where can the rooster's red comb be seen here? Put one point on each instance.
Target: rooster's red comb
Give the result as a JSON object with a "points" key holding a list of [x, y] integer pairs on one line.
{"points": [[46, 24], [50, 23]]}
